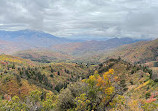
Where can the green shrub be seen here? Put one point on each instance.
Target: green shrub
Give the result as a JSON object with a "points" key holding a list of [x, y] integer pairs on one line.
{"points": [[147, 95]]}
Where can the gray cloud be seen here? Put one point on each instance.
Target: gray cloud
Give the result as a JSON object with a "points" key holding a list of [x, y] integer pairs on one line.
{"points": [[66, 18]]}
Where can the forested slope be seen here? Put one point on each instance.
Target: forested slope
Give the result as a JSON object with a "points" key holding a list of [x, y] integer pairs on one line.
{"points": [[112, 85]]}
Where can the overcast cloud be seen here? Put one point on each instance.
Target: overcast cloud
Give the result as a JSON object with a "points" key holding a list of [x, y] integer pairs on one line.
{"points": [[66, 18]]}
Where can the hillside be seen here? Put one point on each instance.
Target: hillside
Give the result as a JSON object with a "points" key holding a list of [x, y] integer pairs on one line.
{"points": [[82, 87], [8, 47], [43, 55], [4, 59], [25, 73], [115, 85], [90, 47], [139, 52]]}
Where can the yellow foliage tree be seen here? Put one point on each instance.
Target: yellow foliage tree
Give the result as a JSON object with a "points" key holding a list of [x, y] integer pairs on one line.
{"points": [[100, 90]]}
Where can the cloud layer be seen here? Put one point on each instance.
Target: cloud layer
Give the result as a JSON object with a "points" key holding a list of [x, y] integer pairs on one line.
{"points": [[73, 18]]}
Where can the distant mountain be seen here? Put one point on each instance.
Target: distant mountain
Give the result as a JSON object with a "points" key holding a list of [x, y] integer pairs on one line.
{"points": [[31, 38], [88, 38], [13, 41], [75, 51], [89, 47]]}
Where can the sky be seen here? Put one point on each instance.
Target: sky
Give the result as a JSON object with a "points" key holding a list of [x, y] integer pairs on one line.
{"points": [[82, 18]]}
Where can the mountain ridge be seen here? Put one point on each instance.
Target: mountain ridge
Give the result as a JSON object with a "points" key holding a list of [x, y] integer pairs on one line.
{"points": [[93, 45], [31, 37], [143, 51]]}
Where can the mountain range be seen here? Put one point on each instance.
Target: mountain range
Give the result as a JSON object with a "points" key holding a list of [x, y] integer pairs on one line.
{"points": [[28, 39], [44, 47], [93, 46]]}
